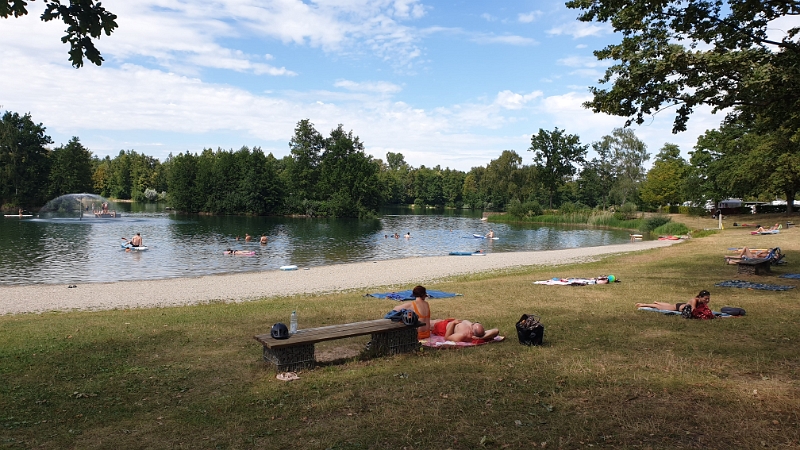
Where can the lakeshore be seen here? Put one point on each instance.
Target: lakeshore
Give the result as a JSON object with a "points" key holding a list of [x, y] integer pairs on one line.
{"points": [[400, 273]]}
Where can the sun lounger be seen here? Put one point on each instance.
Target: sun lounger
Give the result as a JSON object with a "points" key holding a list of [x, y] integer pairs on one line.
{"points": [[774, 256]]}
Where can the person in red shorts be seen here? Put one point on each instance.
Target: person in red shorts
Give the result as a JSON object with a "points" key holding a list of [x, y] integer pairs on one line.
{"points": [[462, 330], [696, 308]]}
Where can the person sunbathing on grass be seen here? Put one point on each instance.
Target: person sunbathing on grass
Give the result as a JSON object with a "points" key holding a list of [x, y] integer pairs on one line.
{"points": [[772, 228], [696, 308], [462, 330]]}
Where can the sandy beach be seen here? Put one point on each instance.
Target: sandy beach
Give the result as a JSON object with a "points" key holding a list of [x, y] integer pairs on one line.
{"points": [[399, 273]]}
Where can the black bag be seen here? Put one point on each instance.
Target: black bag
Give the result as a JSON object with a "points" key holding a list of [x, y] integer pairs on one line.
{"points": [[733, 311], [529, 330]]}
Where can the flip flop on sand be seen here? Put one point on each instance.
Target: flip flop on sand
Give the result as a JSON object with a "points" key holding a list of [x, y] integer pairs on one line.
{"points": [[287, 376]]}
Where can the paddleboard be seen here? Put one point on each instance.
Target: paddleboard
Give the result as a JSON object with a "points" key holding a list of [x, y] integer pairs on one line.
{"points": [[480, 236], [467, 254], [241, 253], [17, 215], [292, 267], [138, 249]]}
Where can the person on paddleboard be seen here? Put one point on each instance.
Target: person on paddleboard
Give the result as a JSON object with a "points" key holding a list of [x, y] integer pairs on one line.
{"points": [[136, 241]]}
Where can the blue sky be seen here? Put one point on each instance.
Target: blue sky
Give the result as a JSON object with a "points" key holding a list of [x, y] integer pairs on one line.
{"points": [[449, 83]]}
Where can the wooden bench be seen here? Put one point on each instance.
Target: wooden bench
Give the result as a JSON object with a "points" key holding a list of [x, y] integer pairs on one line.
{"points": [[754, 266], [297, 352]]}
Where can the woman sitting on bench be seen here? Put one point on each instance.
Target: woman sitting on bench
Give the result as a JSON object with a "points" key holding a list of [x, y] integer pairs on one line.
{"points": [[420, 306]]}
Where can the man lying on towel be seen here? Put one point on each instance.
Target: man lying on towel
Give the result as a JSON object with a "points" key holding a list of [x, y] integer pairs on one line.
{"points": [[462, 331]]}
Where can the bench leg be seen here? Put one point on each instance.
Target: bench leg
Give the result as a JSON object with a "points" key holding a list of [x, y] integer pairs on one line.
{"points": [[291, 359], [403, 340]]}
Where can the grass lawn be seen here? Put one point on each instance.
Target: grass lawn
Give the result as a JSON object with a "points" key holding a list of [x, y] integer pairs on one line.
{"points": [[608, 374]]}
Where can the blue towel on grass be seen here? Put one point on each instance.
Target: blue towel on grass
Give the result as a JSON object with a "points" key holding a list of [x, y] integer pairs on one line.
{"points": [[749, 285], [791, 275], [409, 295]]}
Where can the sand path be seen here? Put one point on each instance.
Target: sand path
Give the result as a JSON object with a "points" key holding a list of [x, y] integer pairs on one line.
{"points": [[315, 280]]}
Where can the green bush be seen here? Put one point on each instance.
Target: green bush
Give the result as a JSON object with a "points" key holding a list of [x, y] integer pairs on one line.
{"points": [[626, 212], [527, 209], [651, 223], [671, 229]]}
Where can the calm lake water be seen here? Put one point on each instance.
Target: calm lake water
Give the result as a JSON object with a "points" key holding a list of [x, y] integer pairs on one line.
{"points": [[68, 249]]}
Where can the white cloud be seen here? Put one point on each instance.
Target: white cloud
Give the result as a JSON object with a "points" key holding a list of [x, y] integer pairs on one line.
{"points": [[580, 29], [488, 17], [582, 61], [508, 39], [380, 87], [512, 100], [529, 17]]}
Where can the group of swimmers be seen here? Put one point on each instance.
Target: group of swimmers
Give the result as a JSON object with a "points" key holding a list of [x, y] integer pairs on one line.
{"points": [[247, 238], [397, 236]]}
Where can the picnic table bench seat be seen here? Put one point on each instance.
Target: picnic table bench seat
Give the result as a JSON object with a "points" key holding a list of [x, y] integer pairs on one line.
{"points": [[754, 266], [297, 351]]}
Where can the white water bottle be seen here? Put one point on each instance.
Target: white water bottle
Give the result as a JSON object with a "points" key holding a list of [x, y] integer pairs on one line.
{"points": [[293, 323]]}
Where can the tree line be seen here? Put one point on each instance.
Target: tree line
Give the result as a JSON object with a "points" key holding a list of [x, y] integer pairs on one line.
{"points": [[332, 176]]}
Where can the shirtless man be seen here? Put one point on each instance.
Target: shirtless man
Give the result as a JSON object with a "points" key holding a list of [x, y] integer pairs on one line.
{"points": [[247, 237], [136, 241], [462, 330], [263, 239], [490, 234]]}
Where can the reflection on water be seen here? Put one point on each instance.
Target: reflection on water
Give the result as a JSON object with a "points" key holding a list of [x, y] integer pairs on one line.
{"points": [[80, 250]]}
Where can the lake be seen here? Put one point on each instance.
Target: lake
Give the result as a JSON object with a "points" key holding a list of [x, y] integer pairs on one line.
{"points": [[64, 249]]}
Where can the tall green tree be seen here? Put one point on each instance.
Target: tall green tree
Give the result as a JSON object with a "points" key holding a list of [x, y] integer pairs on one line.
{"points": [[24, 162], [471, 192], [85, 20], [664, 184], [181, 182], [302, 172], [624, 155], [395, 179], [502, 180], [686, 53], [745, 162], [70, 169], [348, 176], [557, 156]]}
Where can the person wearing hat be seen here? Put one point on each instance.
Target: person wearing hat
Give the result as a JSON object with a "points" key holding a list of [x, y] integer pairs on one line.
{"points": [[420, 306]]}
